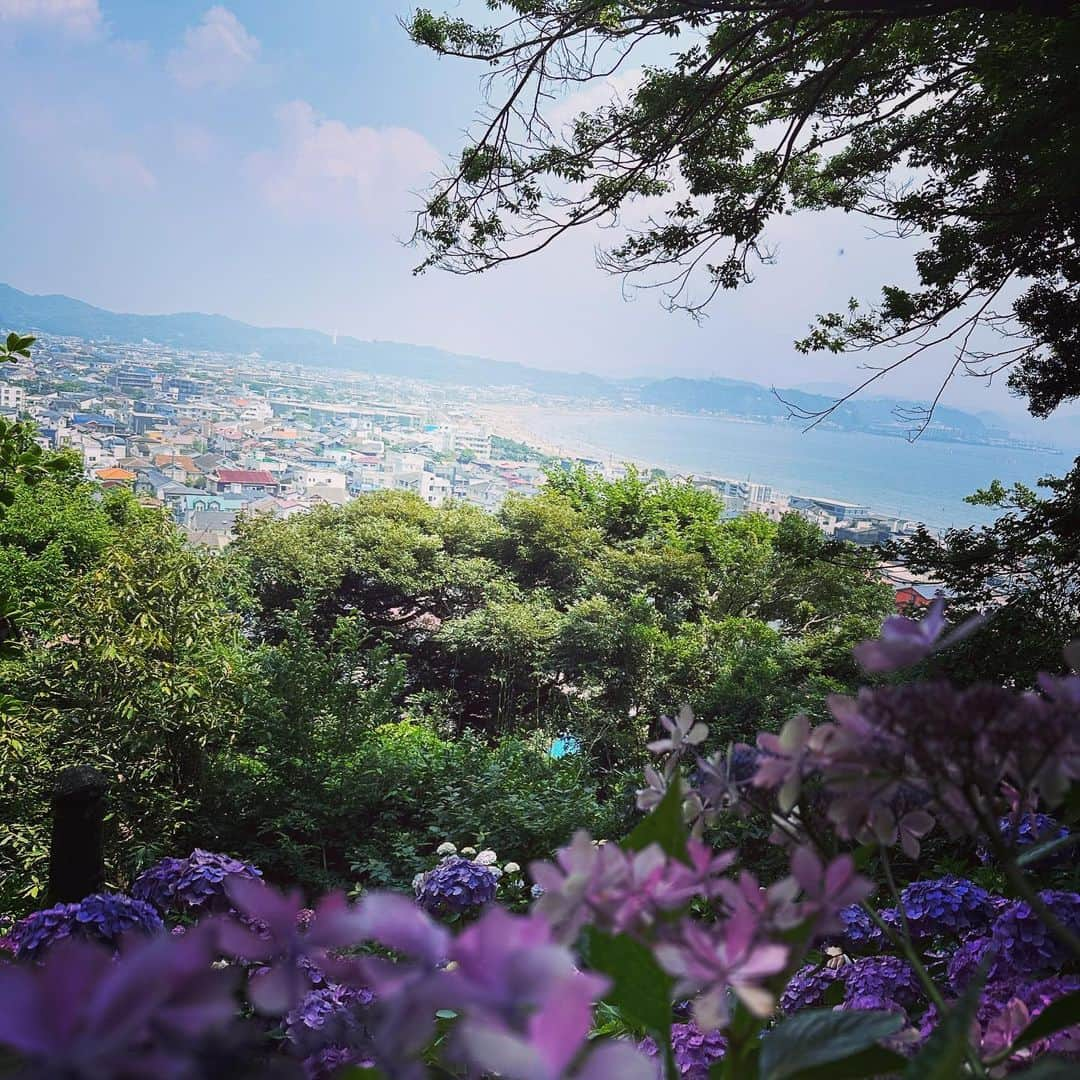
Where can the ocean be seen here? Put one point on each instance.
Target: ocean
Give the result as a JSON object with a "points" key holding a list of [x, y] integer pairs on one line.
{"points": [[926, 481]]}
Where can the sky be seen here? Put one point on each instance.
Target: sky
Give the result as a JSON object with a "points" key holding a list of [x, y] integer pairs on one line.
{"points": [[262, 159]]}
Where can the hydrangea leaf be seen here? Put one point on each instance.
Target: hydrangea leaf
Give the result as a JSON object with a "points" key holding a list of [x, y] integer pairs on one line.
{"points": [[874, 1061], [664, 826], [820, 1037], [640, 989]]}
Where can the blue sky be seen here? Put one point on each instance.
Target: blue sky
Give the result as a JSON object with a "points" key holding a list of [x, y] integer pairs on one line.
{"points": [[260, 159]]}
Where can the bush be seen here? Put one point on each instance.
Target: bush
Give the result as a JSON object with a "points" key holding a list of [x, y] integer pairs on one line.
{"points": [[376, 812]]}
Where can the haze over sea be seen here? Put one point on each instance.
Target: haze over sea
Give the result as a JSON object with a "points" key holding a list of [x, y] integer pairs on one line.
{"points": [[925, 480]]}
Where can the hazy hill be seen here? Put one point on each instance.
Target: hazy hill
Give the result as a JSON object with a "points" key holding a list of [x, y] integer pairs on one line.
{"points": [[736, 398], [217, 333]]}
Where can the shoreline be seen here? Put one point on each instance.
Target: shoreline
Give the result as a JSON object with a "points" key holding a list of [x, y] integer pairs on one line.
{"points": [[573, 435]]}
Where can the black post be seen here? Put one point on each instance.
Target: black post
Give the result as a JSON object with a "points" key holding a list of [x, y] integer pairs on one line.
{"points": [[77, 851]]}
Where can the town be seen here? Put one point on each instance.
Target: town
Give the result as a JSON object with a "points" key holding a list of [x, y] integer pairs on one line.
{"points": [[243, 437]]}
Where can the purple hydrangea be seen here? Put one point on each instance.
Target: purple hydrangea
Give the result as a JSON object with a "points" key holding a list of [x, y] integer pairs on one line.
{"points": [[695, 1050], [456, 886], [807, 987], [328, 1060], [946, 906], [332, 1006], [1036, 996], [1027, 830], [965, 961], [885, 978], [197, 882], [1022, 942], [99, 917]]}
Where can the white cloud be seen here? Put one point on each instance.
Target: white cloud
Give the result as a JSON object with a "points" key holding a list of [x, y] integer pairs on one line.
{"points": [[80, 18], [217, 52], [325, 170]]}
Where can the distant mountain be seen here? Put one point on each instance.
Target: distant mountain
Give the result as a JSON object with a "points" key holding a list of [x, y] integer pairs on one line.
{"points": [[217, 333], [733, 397]]}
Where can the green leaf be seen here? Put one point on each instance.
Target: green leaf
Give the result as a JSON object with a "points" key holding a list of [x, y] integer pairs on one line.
{"points": [[874, 1061], [664, 826], [1060, 1014], [818, 1037], [943, 1055], [641, 990]]}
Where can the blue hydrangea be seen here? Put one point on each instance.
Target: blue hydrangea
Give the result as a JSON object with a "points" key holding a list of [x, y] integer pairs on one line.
{"points": [[859, 930], [99, 917], [1023, 944], [194, 883], [947, 906], [456, 886], [695, 1050], [807, 987], [1027, 830], [886, 978]]}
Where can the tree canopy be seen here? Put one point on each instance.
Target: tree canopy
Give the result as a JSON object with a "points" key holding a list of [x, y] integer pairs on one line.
{"points": [[950, 120]]}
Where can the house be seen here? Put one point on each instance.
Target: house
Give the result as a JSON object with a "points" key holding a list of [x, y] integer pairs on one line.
{"points": [[917, 596], [115, 477], [253, 482]]}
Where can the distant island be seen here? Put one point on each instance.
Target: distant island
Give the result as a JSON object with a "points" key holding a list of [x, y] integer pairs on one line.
{"points": [[195, 331]]}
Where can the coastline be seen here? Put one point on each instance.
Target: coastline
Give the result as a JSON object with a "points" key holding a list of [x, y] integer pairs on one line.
{"points": [[927, 481]]}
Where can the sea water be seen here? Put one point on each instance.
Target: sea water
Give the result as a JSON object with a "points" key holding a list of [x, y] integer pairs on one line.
{"points": [[926, 480]]}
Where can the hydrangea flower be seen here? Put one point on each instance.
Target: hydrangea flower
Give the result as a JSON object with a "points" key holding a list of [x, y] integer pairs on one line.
{"points": [[1022, 942], [83, 1013], [326, 1062], [904, 641], [456, 886], [886, 978], [1024, 830], [1006, 1009], [945, 906], [333, 1006], [695, 1050], [197, 882], [100, 917], [858, 931], [807, 987], [965, 961]]}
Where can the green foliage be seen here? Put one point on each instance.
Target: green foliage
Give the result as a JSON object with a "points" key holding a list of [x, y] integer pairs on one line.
{"points": [[132, 668], [373, 807], [1022, 569], [344, 689], [803, 1043]]}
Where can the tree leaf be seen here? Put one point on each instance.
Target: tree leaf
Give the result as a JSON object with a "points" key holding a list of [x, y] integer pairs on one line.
{"points": [[818, 1037], [641, 990], [664, 826], [1060, 1014]]}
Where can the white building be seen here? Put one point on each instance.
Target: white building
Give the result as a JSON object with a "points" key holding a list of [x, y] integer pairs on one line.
{"points": [[12, 397]]}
